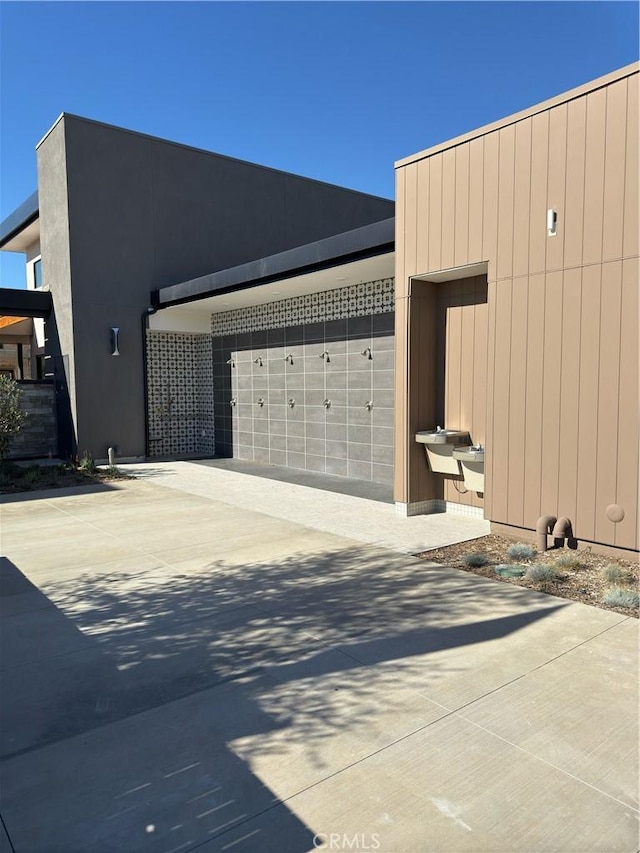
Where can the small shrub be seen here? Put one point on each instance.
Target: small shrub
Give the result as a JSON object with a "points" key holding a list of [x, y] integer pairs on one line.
{"points": [[476, 560], [619, 597], [568, 561], [521, 551], [542, 573], [33, 474], [11, 470], [615, 574], [11, 415], [86, 463]]}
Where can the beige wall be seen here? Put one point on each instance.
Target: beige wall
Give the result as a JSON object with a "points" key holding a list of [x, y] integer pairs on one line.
{"points": [[562, 312]]}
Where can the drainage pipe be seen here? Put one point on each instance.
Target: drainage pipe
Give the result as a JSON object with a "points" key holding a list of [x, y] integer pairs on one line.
{"points": [[145, 325], [544, 525], [562, 530]]}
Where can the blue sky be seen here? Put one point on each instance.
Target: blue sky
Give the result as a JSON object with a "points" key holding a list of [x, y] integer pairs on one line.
{"points": [[335, 91]]}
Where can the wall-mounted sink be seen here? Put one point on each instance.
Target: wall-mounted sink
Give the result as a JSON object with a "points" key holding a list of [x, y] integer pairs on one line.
{"points": [[443, 436], [438, 446], [471, 461], [473, 453]]}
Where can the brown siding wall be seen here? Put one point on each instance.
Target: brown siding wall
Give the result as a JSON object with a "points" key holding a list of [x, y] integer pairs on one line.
{"points": [[561, 350]]}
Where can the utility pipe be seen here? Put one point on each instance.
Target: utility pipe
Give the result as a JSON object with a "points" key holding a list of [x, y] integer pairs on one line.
{"points": [[562, 530], [544, 525]]}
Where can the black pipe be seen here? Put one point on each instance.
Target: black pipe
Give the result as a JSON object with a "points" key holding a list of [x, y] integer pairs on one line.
{"points": [[145, 326]]}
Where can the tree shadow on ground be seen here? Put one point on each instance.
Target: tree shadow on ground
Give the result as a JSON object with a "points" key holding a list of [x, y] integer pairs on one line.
{"points": [[243, 670]]}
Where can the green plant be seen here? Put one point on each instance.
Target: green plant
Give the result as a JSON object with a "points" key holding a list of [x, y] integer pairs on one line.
{"points": [[12, 416], [619, 597], [521, 551], [542, 573], [615, 574], [568, 561], [86, 463], [33, 474], [476, 560]]}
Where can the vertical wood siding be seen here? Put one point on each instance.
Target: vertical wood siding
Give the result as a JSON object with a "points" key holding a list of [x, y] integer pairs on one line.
{"points": [[556, 345]]}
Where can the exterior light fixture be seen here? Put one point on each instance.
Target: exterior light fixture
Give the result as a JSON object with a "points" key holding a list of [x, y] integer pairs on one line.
{"points": [[552, 223], [115, 332]]}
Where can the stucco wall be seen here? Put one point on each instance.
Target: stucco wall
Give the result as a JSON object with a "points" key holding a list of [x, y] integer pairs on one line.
{"points": [[143, 213]]}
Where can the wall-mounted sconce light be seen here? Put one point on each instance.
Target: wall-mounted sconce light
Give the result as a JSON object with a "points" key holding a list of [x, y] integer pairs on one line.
{"points": [[289, 358], [326, 403], [552, 223], [325, 355], [115, 331], [367, 353], [368, 405], [258, 361], [231, 362], [260, 401], [291, 402], [232, 401]]}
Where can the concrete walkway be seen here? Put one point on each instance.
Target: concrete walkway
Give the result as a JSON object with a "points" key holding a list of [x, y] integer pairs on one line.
{"points": [[183, 673], [369, 521]]}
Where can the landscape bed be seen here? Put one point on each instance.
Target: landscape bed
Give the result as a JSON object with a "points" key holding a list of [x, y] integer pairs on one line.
{"points": [[15, 479], [581, 575]]}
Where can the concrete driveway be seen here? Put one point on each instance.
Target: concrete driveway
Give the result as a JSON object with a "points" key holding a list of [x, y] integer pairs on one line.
{"points": [[182, 673]]}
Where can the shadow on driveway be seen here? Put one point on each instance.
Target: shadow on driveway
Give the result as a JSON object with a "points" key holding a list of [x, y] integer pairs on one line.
{"points": [[190, 666]]}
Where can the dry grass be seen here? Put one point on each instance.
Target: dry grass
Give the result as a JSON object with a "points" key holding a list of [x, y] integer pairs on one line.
{"points": [[582, 575]]}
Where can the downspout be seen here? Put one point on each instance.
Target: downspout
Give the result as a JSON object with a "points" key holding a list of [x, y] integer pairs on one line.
{"points": [[145, 326], [545, 525]]}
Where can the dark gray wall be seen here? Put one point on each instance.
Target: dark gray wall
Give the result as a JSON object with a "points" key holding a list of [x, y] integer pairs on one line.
{"points": [[56, 272], [38, 435], [144, 213], [347, 438]]}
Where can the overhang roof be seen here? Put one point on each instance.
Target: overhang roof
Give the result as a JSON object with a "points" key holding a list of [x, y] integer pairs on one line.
{"points": [[366, 242], [17, 222], [25, 303]]}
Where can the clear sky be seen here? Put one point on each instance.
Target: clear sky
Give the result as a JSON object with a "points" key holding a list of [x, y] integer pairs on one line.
{"points": [[333, 90]]}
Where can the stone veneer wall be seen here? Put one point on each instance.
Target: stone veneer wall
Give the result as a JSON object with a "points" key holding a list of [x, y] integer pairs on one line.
{"points": [[38, 437], [346, 438], [180, 394]]}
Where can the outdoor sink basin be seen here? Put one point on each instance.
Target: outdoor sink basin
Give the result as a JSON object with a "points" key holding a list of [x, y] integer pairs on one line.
{"points": [[443, 436], [469, 454], [438, 446], [471, 461]]}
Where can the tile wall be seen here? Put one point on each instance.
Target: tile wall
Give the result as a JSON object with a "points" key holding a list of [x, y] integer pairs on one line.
{"points": [[180, 394], [331, 414]]}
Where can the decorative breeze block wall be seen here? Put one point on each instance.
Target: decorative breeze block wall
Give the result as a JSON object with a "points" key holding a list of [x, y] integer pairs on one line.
{"points": [[371, 297], [180, 394]]}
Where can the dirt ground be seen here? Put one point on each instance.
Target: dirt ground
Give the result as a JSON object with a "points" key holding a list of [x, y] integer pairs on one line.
{"points": [[585, 582]]}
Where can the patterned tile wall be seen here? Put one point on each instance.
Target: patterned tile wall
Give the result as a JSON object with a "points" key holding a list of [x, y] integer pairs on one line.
{"points": [[280, 401], [180, 394], [371, 297]]}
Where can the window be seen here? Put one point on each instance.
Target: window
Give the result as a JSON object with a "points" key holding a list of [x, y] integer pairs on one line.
{"points": [[37, 273]]}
